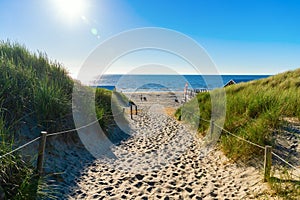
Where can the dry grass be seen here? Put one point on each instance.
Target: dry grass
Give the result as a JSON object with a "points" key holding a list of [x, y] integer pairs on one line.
{"points": [[170, 111]]}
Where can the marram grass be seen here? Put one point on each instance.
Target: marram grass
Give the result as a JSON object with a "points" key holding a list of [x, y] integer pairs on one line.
{"points": [[253, 110], [34, 92]]}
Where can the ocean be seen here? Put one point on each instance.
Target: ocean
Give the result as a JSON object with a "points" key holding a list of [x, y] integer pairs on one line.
{"points": [[148, 83]]}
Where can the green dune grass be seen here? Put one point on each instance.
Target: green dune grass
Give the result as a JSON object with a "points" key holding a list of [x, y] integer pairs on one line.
{"points": [[254, 110], [35, 92]]}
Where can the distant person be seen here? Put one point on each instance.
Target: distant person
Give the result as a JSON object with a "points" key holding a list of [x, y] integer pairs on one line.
{"points": [[145, 99], [141, 97]]}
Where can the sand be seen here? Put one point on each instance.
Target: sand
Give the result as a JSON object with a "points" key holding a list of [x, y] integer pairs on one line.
{"points": [[287, 146], [163, 159]]}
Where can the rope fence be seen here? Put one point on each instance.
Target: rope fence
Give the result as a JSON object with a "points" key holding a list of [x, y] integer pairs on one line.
{"points": [[44, 135], [205, 120], [274, 154], [20, 147], [82, 127], [268, 149], [240, 138], [54, 134], [72, 130]]}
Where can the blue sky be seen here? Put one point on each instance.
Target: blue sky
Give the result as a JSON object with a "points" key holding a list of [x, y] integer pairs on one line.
{"points": [[241, 36]]}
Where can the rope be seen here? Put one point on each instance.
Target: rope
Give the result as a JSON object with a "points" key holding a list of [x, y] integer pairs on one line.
{"points": [[295, 168], [285, 161], [82, 127], [52, 134], [205, 120], [87, 125], [72, 130], [259, 146], [20, 147]]}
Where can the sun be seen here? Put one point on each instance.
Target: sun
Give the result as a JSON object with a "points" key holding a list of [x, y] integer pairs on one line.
{"points": [[70, 8]]}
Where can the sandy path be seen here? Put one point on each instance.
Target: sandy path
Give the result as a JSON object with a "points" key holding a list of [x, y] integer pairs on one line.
{"points": [[162, 161]]}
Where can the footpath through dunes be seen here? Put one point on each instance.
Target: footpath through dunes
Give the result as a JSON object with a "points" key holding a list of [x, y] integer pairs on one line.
{"points": [[162, 161]]}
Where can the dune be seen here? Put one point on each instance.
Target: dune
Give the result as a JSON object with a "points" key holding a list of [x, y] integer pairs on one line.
{"points": [[163, 159]]}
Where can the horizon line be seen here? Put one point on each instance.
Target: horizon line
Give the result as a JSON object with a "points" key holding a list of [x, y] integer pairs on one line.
{"points": [[242, 74]]}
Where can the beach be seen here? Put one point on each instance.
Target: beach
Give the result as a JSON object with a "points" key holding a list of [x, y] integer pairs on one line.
{"points": [[163, 159]]}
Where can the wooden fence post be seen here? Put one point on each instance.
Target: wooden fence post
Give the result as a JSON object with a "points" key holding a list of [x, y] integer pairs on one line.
{"points": [[267, 162], [42, 146], [211, 128], [135, 109], [131, 111]]}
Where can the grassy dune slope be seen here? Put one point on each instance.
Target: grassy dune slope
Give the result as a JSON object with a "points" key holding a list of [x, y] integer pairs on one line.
{"points": [[35, 94], [254, 110]]}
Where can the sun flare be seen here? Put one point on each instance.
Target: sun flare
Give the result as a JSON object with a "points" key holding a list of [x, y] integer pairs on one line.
{"points": [[71, 8]]}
